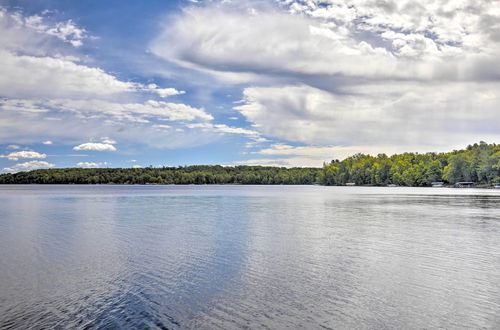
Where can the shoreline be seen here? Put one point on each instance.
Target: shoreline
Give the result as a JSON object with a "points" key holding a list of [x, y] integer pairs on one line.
{"points": [[490, 187]]}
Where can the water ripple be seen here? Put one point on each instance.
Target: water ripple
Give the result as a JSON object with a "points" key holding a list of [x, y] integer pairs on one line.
{"points": [[224, 257]]}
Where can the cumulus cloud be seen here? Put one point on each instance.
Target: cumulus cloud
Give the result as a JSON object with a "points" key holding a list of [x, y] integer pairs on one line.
{"points": [[28, 49], [412, 41], [222, 128], [133, 129], [365, 74], [163, 92], [107, 140], [95, 147], [421, 76], [13, 147], [133, 111], [28, 166], [48, 142], [282, 162], [162, 126], [410, 114], [67, 31], [24, 154], [234, 130], [90, 164], [228, 41], [64, 90], [25, 106], [54, 77], [32, 33], [90, 108]]}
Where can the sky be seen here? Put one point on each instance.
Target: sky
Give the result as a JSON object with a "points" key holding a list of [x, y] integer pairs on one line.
{"points": [[124, 83]]}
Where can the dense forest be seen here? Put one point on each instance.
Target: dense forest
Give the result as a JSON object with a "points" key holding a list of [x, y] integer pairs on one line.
{"points": [[479, 163], [201, 174]]}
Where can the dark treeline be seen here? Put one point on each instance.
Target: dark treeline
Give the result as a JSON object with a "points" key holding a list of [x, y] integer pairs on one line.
{"points": [[479, 163], [202, 174]]}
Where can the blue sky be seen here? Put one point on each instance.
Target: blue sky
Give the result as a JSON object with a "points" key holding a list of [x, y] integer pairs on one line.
{"points": [[287, 83]]}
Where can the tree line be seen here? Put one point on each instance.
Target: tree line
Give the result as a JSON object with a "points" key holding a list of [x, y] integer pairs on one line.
{"points": [[199, 174], [479, 163]]}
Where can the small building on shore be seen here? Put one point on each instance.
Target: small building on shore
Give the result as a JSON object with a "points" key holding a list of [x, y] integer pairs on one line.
{"points": [[437, 184]]}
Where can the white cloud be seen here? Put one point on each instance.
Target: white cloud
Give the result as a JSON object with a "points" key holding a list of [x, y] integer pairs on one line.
{"points": [[282, 162], [324, 153], [59, 77], [68, 32], [48, 142], [92, 108], [22, 106], [410, 114], [90, 164], [420, 76], [95, 147], [23, 154], [128, 129], [200, 125], [366, 73], [162, 126], [27, 49], [65, 91], [20, 32], [13, 147], [357, 39], [222, 128], [108, 140], [28, 166], [234, 130], [57, 80], [163, 92], [54, 77], [133, 111], [136, 166]]}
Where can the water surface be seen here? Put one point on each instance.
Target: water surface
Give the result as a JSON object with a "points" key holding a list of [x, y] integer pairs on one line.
{"points": [[210, 257]]}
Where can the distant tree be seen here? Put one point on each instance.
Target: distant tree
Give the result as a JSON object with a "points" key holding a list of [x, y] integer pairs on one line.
{"points": [[457, 169]]}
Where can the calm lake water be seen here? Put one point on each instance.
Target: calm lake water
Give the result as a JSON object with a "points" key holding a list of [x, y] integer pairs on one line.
{"points": [[257, 257]]}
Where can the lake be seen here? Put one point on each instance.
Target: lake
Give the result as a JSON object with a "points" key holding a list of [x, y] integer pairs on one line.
{"points": [[256, 257]]}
